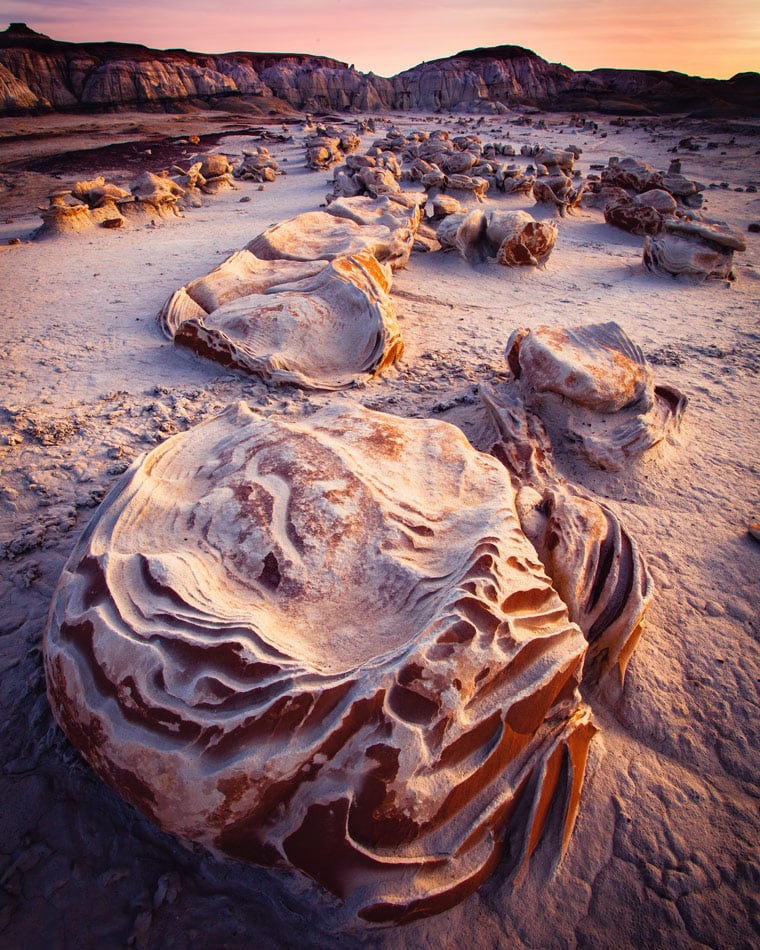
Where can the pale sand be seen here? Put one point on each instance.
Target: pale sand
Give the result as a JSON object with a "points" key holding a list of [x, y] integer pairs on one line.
{"points": [[666, 848]]}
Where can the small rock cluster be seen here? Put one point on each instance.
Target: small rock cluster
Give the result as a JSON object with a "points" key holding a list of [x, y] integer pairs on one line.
{"points": [[443, 163], [256, 165], [664, 208], [374, 173], [637, 197], [557, 183], [328, 145], [435, 160], [98, 203]]}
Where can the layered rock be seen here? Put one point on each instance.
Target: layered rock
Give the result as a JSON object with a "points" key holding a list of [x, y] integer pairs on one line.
{"points": [[593, 561], [310, 324], [594, 388], [324, 643], [42, 73], [72, 75], [15, 94], [81, 75], [480, 80], [321, 86], [694, 247], [319, 235]]}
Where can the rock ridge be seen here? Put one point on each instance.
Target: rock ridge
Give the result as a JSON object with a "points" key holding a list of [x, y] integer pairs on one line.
{"points": [[40, 74]]}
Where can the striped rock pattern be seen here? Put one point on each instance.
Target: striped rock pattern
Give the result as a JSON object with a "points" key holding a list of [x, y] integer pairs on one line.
{"points": [[323, 642]]}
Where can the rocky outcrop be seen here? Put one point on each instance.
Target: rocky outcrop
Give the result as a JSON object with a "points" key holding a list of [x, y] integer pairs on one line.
{"points": [[322, 86], [64, 76], [480, 80], [15, 95], [648, 91], [38, 73]]}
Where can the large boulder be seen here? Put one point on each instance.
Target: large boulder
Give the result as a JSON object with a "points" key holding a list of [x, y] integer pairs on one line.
{"points": [[324, 643]]}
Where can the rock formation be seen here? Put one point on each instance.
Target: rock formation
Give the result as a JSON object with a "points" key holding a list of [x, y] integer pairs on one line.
{"points": [[696, 248], [375, 172], [319, 235], [633, 216], [155, 195], [314, 324], [329, 647], [39, 73], [509, 237], [256, 165], [664, 206], [328, 145], [593, 561], [520, 239], [593, 386], [64, 216], [642, 200], [559, 191], [400, 210], [152, 197]]}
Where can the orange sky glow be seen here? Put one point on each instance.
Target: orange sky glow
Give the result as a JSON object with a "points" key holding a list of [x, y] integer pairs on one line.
{"points": [[711, 38]]}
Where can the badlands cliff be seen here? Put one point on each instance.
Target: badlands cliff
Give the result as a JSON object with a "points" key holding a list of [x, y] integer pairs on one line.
{"points": [[38, 74]]}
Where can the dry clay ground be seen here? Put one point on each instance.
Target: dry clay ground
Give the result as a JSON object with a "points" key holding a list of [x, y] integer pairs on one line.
{"points": [[666, 849]]}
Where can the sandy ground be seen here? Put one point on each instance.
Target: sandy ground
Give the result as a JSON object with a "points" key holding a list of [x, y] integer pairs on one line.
{"points": [[666, 849]]}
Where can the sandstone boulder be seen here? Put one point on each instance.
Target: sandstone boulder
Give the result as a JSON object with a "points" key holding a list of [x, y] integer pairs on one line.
{"points": [[595, 389], [328, 647], [317, 235], [329, 330]]}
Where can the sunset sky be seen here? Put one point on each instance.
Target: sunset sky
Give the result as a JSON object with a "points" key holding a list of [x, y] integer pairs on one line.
{"points": [[713, 38]]}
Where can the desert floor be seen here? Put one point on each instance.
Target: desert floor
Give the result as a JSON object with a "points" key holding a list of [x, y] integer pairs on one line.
{"points": [[666, 849]]}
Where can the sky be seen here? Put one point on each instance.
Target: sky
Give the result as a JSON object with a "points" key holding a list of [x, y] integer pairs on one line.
{"points": [[710, 38]]}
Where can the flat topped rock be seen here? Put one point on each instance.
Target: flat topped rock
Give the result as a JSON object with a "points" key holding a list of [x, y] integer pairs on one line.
{"points": [[716, 232], [317, 235], [324, 643], [598, 366]]}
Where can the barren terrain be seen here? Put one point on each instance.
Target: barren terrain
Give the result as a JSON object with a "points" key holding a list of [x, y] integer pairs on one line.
{"points": [[666, 850]]}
